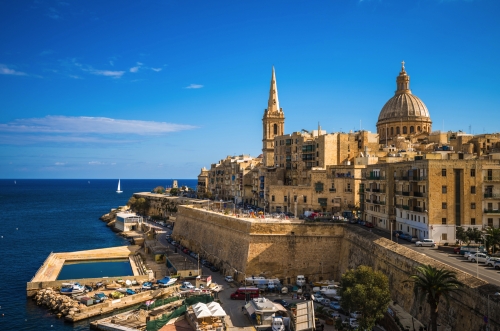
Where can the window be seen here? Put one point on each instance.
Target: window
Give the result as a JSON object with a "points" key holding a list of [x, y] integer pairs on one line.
{"points": [[444, 205], [472, 221], [473, 172], [443, 220], [443, 172], [405, 131], [444, 236], [472, 190], [275, 128], [285, 198], [272, 197], [305, 199], [443, 189], [490, 222], [472, 205]]}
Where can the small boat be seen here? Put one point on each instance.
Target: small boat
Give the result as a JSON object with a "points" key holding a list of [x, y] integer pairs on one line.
{"points": [[277, 324], [88, 288], [72, 288], [121, 290], [130, 292], [147, 285], [113, 286], [117, 295], [128, 283], [166, 281], [119, 190], [100, 297], [323, 283]]}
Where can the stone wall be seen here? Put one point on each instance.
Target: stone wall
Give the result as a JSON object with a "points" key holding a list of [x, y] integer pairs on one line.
{"points": [[324, 250]]}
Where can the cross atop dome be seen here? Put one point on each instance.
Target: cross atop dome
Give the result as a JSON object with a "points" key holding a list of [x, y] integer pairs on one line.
{"points": [[403, 71]]}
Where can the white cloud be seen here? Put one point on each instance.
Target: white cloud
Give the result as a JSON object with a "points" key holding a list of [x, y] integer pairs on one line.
{"points": [[112, 63], [59, 163], [139, 63], [107, 73], [134, 69], [194, 86], [156, 69], [95, 163], [4, 70], [86, 125]]}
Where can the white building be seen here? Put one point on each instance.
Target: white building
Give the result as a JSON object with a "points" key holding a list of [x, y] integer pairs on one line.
{"points": [[127, 222]]}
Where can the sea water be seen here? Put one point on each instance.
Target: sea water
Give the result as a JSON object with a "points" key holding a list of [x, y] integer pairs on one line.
{"points": [[43, 216]]}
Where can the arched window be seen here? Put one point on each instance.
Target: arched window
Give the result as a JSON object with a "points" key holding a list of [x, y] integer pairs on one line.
{"points": [[392, 131], [275, 128], [418, 128], [397, 130], [412, 129], [405, 131]]}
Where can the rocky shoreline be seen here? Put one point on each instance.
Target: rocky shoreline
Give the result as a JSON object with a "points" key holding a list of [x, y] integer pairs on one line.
{"points": [[61, 304]]}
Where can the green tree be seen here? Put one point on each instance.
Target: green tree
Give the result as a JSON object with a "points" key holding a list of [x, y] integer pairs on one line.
{"points": [[431, 284], [367, 291], [493, 237], [131, 202], [159, 189], [474, 235], [174, 191], [461, 235]]}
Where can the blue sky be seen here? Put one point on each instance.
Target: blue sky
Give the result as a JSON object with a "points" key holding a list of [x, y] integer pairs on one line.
{"points": [[159, 89]]}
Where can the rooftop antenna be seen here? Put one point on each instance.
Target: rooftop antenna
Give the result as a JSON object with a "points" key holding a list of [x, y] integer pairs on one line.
{"points": [[470, 129], [359, 125]]}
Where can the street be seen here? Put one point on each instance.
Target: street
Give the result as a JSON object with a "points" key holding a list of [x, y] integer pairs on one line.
{"points": [[483, 272]]}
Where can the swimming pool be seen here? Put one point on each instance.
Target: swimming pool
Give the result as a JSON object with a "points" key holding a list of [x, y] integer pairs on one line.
{"points": [[95, 269]]}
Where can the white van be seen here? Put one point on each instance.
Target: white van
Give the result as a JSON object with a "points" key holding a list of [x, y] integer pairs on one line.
{"points": [[301, 280]]}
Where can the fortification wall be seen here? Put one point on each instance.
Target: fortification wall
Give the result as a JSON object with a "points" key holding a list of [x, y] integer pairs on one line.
{"points": [[322, 250]]}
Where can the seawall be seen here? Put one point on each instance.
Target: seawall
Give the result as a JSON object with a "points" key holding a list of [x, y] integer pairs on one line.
{"points": [[285, 249]]}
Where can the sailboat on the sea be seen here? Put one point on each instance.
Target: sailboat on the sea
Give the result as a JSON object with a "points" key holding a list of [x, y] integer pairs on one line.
{"points": [[119, 190]]}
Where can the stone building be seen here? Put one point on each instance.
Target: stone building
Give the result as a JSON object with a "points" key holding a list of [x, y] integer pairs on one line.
{"points": [[202, 187], [490, 173], [225, 178], [404, 114]]}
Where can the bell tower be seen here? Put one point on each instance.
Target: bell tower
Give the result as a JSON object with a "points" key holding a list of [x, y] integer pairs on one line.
{"points": [[273, 123]]}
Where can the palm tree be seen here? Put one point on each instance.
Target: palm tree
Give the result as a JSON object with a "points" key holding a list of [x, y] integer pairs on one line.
{"points": [[493, 237], [431, 284]]}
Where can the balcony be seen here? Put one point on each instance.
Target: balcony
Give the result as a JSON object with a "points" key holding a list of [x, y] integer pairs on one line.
{"points": [[405, 193], [418, 209], [399, 193], [406, 207], [402, 178], [333, 190], [492, 211], [379, 202], [492, 179], [368, 200], [371, 176], [367, 189], [348, 190], [418, 178], [419, 194], [489, 195]]}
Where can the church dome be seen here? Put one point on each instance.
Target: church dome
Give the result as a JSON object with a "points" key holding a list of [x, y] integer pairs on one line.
{"points": [[403, 105]]}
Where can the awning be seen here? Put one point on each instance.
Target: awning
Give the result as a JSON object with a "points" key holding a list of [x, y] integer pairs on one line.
{"points": [[250, 309]]}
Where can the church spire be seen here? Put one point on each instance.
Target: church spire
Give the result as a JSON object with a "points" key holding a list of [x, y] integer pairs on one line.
{"points": [[403, 81], [273, 105]]}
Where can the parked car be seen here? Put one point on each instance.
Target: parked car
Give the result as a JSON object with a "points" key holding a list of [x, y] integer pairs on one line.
{"points": [[335, 315], [425, 242], [478, 257], [214, 268], [229, 279], [395, 232], [369, 225], [490, 262], [307, 296], [173, 242], [335, 305], [497, 265], [318, 298], [355, 314], [325, 302], [282, 302], [405, 236], [353, 323]]}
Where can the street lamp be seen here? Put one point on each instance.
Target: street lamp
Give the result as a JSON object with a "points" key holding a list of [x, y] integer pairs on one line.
{"points": [[488, 317]]}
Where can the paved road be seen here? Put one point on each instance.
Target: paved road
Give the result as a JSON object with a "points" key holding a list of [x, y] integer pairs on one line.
{"points": [[485, 273]]}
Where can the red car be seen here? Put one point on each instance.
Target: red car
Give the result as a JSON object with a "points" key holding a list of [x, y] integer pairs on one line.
{"points": [[369, 225]]}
